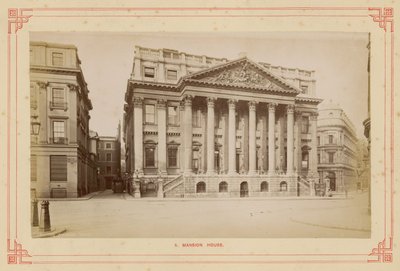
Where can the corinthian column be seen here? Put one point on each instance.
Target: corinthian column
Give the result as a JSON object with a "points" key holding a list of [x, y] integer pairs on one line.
{"points": [[188, 133], [210, 135], [232, 137], [271, 138], [252, 137], [162, 135], [290, 138], [138, 133]]}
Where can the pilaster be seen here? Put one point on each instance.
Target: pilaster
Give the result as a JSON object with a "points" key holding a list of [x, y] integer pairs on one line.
{"points": [[162, 135]]}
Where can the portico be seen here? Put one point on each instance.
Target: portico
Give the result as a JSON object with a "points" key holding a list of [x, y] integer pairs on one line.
{"points": [[236, 131]]}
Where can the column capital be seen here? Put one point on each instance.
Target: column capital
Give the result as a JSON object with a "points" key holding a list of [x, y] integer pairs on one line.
{"points": [[232, 103], [187, 99], [272, 106], [73, 87], [161, 103], [313, 116], [42, 84], [211, 101], [290, 108], [137, 101], [298, 113], [252, 105]]}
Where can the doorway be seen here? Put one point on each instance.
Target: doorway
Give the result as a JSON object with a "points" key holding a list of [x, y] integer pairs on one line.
{"points": [[244, 189], [332, 181]]}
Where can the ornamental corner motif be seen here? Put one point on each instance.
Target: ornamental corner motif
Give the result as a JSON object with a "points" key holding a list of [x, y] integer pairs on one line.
{"points": [[16, 254], [17, 18], [383, 16], [382, 253]]}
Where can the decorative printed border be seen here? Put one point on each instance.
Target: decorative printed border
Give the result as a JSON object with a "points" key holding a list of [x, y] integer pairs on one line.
{"points": [[17, 18]]}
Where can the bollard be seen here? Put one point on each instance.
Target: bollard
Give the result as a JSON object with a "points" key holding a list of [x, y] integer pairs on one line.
{"points": [[35, 213], [44, 225]]}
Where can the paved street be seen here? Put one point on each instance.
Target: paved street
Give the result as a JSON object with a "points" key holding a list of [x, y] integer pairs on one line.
{"points": [[119, 215]]}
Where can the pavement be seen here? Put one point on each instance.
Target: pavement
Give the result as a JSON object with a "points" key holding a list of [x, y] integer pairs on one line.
{"points": [[109, 215], [37, 233]]}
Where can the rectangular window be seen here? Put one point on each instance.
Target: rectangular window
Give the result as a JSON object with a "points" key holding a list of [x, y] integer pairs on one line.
{"points": [[173, 115], [58, 97], [331, 154], [59, 132], [304, 124], [195, 161], [150, 157], [33, 168], [318, 140], [172, 75], [108, 170], [108, 157], [57, 59], [108, 145], [319, 159], [172, 157], [196, 118], [149, 72], [330, 139], [150, 111], [217, 117], [58, 168]]}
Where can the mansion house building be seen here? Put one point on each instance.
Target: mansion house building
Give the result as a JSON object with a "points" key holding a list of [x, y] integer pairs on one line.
{"points": [[198, 126]]}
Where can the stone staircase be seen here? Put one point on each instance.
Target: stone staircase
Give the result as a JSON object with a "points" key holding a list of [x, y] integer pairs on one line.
{"points": [[304, 187], [174, 188]]}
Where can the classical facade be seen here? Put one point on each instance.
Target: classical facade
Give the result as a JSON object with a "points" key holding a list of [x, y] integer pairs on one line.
{"points": [[61, 165], [197, 126], [337, 149], [109, 150]]}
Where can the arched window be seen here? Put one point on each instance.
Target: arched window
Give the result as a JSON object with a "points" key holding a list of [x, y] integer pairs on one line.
{"points": [[201, 187], [223, 187], [264, 187], [283, 186]]}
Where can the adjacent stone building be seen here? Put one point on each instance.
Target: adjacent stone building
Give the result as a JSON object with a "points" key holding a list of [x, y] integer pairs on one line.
{"points": [[198, 126], [337, 156], [109, 149], [61, 165]]}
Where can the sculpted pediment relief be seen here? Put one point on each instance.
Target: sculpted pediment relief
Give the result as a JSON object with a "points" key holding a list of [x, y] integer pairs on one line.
{"points": [[242, 75]]}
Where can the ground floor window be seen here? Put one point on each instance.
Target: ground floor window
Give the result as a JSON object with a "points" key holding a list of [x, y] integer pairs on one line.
{"points": [[172, 156], [264, 187], [58, 168], [149, 155], [223, 187], [283, 186], [201, 187], [304, 159]]}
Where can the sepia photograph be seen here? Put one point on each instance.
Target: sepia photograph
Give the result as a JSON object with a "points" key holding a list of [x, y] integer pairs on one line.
{"points": [[200, 135]]}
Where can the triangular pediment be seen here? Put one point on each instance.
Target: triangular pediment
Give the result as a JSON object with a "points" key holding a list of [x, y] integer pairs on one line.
{"points": [[242, 73]]}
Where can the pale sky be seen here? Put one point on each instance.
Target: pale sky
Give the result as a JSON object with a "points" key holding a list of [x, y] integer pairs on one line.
{"points": [[339, 60]]}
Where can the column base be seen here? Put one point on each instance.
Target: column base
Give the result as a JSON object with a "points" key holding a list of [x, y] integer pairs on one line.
{"points": [[271, 173], [232, 173], [211, 172], [252, 172]]}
